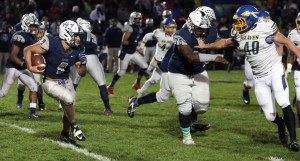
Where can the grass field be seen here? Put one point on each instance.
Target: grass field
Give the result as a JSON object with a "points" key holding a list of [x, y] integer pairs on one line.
{"points": [[239, 132]]}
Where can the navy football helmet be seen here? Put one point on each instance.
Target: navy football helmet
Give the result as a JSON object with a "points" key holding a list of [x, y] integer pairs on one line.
{"points": [[245, 17]]}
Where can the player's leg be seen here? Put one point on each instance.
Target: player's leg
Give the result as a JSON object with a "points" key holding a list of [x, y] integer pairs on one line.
{"points": [[200, 99], [155, 77], [263, 93], [297, 86], [20, 96], [182, 92], [124, 60], [95, 69], [139, 60], [63, 91], [248, 83], [27, 78], [37, 78], [116, 59], [281, 93], [109, 67], [8, 80]]}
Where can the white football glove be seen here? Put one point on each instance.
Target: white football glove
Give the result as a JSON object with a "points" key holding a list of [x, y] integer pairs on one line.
{"points": [[288, 69]]}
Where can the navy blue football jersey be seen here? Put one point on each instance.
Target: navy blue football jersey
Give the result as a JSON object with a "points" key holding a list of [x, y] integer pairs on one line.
{"points": [[59, 61], [21, 39], [89, 41], [178, 63], [133, 39]]}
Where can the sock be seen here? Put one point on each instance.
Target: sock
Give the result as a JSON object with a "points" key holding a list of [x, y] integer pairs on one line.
{"points": [[75, 86], [194, 115], [104, 96], [185, 122], [32, 108], [140, 75], [40, 95], [278, 121], [149, 98], [289, 120], [138, 80], [21, 93], [115, 79]]}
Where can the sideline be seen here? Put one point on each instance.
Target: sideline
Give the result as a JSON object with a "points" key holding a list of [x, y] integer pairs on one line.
{"points": [[61, 144]]}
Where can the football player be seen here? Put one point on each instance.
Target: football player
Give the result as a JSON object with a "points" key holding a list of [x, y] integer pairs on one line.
{"points": [[93, 66], [16, 65], [60, 54], [37, 77], [129, 53], [164, 39], [294, 36], [258, 39]]}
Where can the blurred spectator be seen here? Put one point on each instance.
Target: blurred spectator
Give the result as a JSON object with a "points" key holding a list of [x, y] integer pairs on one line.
{"points": [[98, 14], [58, 9], [289, 12], [123, 14], [32, 8], [113, 39], [75, 13], [181, 19], [4, 47], [55, 26]]}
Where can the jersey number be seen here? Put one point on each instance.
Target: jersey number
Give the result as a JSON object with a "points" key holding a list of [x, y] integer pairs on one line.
{"points": [[251, 48], [61, 68]]}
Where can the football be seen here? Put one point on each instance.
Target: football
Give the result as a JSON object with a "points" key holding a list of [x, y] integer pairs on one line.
{"points": [[38, 60]]}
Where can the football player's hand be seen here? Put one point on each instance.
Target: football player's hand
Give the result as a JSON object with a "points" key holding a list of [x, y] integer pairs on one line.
{"points": [[36, 69], [288, 69], [201, 44], [82, 58], [221, 59]]}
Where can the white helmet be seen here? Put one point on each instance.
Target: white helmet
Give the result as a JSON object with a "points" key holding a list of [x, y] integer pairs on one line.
{"points": [[66, 31], [209, 12], [85, 25], [149, 21], [27, 20], [133, 16], [196, 22]]}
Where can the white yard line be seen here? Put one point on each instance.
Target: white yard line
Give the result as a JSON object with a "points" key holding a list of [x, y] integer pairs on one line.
{"points": [[271, 158], [61, 144]]}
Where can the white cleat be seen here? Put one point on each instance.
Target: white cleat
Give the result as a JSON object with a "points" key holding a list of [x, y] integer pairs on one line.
{"points": [[188, 140]]}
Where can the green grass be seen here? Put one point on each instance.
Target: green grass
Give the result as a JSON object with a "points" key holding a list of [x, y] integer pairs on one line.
{"points": [[239, 132]]}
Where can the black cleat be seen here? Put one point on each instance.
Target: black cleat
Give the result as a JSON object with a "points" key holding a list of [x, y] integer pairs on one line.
{"points": [[67, 139], [294, 146], [42, 107], [107, 111], [77, 133], [131, 106], [34, 116], [19, 101], [246, 96], [196, 126]]}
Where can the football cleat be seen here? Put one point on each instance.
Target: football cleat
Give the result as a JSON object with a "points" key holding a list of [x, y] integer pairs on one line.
{"points": [[42, 107], [107, 111], [67, 139], [131, 106], [294, 145], [246, 96], [136, 86], [188, 140], [110, 90], [77, 133], [33, 116], [60, 107], [197, 126], [19, 101]]}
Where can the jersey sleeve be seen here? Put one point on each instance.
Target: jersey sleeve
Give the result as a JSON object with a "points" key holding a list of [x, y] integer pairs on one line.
{"points": [[45, 43], [18, 39], [148, 37], [179, 40]]}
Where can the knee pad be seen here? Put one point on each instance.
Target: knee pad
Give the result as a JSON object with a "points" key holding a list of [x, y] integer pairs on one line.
{"points": [[21, 86], [68, 99], [162, 96], [270, 116], [121, 72]]}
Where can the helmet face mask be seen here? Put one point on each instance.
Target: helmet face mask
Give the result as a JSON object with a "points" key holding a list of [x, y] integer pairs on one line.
{"points": [[41, 31], [29, 23], [244, 18], [198, 23], [69, 32], [169, 26]]}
